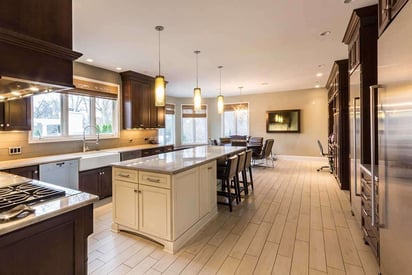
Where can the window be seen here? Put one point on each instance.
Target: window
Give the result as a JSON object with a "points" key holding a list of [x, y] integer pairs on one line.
{"points": [[236, 119], [194, 125], [58, 117], [167, 135]]}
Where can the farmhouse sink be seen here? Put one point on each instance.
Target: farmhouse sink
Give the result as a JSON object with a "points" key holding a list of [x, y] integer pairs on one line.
{"points": [[96, 159]]}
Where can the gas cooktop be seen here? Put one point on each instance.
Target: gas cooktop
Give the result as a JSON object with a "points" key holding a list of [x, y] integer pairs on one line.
{"points": [[26, 193]]}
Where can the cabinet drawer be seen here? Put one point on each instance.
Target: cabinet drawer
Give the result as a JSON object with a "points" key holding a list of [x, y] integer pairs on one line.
{"points": [[153, 179], [125, 175]]}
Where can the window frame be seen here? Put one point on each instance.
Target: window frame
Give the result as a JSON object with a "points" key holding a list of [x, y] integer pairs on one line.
{"points": [[64, 101], [174, 123], [223, 118], [194, 131]]}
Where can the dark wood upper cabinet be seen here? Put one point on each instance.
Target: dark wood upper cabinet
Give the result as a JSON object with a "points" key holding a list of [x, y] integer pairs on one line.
{"points": [[362, 31], [139, 110], [388, 9], [15, 115], [337, 86]]}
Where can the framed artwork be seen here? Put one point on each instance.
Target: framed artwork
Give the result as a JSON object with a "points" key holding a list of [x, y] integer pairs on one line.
{"points": [[283, 121]]}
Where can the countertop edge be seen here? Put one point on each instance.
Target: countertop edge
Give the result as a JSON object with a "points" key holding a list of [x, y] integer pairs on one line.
{"points": [[49, 213]]}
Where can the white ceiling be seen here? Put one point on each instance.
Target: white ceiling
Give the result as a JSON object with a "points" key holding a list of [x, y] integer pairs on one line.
{"points": [[263, 45]]}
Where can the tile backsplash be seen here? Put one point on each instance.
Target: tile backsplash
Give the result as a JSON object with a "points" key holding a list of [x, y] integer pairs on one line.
{"points": [[14, 139]]}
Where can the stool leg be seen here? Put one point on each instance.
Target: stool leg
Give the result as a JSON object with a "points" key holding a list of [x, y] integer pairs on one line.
{"points": [[229, 195], [251, 176], [245, 182]]}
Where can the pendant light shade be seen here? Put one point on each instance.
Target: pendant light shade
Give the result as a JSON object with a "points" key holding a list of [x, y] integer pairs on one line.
{"points": [[220, 104], [160, 87], [197, 93], [220, 99]]}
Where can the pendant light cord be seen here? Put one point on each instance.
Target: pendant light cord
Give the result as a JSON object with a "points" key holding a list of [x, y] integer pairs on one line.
{"points": [[220, 76], [159, 52], [197, 70]]}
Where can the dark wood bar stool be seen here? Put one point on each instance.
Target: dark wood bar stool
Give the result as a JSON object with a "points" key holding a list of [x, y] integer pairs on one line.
{"points": [[241, 170], [227, 175], [248, 170]]}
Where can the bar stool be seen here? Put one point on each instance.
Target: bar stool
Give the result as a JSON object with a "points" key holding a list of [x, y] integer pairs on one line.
{"points": [[248, 168], [227, 176], [241, 170]]}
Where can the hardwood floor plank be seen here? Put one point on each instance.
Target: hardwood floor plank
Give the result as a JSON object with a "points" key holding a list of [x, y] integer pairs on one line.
{"points": [[300, 260], [288, 239], [282, 265], [275, 234], [247, 265], [244, 241], [349, 252], [258, 242], [179, 264], [317, 250], [303, 230], [200, 260], [267, 259], [143, 266], [333, 252]]}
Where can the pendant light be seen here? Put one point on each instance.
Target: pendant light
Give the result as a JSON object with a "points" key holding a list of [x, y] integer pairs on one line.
{"points": [[197, 93], [220, 102], [160, 93]]}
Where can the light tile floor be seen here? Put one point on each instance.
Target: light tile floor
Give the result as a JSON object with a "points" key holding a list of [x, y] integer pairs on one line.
{"points": [[296, 221]]}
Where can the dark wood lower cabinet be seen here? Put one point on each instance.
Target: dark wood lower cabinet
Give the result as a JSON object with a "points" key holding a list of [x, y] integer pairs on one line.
{"points": [[54, 246], [96, 181], [31, 172]]}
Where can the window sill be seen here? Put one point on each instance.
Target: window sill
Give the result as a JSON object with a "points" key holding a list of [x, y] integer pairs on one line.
{"points": [[68, 139]]}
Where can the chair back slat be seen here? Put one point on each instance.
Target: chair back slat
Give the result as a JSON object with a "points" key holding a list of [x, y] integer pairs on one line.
{"points": [[232, 165], [248, 159], [241, 161]]}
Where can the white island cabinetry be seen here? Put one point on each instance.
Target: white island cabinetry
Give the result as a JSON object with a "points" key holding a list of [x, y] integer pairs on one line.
{"points": [[167, 197]]}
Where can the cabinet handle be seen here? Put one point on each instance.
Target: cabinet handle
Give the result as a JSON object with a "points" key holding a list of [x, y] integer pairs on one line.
{"points": [[36, 172], [209, 168], [139, 191], [124, 175], [153, 180], [135, 191], [102, 173], [365, 232], [364, 212]]}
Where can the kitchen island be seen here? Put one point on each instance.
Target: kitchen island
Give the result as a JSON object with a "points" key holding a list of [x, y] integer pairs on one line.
{"points": [[168, 197], [52, 239]]}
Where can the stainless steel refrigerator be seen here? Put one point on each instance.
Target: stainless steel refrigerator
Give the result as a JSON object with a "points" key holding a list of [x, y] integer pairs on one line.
{"points": [[393, 128]]}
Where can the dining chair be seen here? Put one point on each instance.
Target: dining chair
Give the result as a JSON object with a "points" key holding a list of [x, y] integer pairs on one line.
{"points": [[265, 154]]}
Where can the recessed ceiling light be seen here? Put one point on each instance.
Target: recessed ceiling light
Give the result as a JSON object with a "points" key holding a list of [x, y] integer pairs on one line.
{"points": [[321, 65], [89, 60], [118, 68], [319, 74], [347, 1], [325, 33], [34, 89], [317, 86], [264, 83], [16, 93], [2, 97]]}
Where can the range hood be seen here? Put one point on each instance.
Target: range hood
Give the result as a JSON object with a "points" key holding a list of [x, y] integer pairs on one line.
{"points": [[36, 51], [14, 88]]}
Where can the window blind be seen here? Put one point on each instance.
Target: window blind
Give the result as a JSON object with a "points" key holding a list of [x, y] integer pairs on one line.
{"points": [[231, 107], [188, 110]]}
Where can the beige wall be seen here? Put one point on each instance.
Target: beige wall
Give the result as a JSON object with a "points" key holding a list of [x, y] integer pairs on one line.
{"points": [[314, 118], [127, 137]]}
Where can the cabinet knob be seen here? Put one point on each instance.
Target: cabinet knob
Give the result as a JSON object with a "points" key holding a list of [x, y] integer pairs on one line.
{"points": [[2, 125], [7, 125], [36, 172], [139, 192], [135, 191]]}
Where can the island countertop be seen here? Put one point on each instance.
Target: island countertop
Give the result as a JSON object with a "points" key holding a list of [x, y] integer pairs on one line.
{"points": [[178, 161]]}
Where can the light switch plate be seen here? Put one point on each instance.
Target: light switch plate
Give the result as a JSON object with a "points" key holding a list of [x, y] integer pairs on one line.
{"points": [[16, 150]]}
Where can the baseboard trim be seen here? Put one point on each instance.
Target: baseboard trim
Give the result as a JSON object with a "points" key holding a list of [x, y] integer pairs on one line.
{"points": [[306, 158]]}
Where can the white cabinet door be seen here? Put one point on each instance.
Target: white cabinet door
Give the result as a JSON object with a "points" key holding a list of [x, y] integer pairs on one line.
{"points": [[154, 211], [125, 204], [207, 188], [185, 200]]}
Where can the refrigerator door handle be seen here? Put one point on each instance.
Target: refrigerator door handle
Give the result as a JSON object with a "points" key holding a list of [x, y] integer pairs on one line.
{"points": [[355, 145], [373, 172]]}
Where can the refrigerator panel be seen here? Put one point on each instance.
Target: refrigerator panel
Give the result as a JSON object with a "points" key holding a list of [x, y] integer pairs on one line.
{"points": [[354, 128], [394, 110]]}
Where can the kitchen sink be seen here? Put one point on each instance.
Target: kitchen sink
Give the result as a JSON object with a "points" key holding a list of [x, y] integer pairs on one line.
{"points": [[96, 159]]}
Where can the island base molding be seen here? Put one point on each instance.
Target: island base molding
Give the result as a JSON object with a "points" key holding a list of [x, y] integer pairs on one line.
{"points": [[175, 245]]}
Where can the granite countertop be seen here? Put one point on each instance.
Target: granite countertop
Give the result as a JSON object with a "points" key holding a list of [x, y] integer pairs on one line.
{"points": [[8, 164], [44, 210], [178, 161]]}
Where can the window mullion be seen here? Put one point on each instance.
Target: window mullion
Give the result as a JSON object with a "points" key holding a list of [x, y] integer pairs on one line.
{"points": [[92, 115], [65, 115]]}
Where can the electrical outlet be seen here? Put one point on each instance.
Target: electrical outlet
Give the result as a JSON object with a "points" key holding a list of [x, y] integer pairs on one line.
{"points": [[15, 150], [146, 139]]}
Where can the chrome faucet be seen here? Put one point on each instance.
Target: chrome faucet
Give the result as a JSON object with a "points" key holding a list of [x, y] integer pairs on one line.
{"points": [[85, 147]]}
